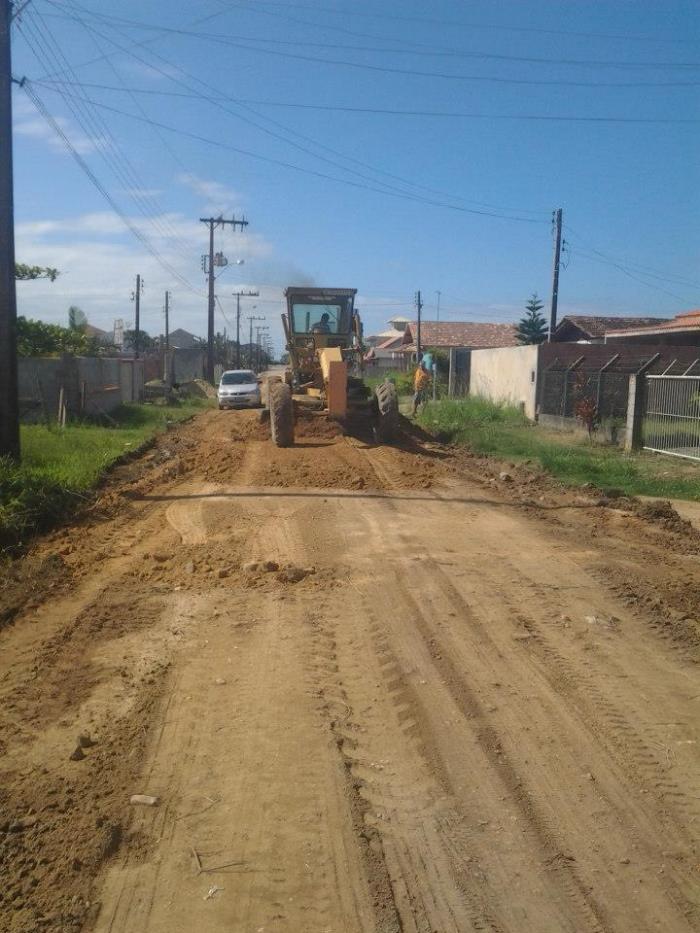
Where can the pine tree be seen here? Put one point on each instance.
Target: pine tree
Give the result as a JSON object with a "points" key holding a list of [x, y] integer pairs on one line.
{"points": [[532, 327]]}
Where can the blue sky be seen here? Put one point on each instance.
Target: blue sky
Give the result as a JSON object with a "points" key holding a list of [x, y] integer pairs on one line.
{"points": [[385, 202]]}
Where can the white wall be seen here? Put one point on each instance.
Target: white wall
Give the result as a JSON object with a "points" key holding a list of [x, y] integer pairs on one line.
{"points": [[506, 374]]}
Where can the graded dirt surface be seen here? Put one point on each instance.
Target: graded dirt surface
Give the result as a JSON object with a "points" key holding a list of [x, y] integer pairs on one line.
{"points": [[374, 690]]}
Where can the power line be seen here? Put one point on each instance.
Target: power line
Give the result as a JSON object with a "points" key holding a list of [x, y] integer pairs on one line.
{"points": [[386, 111], [645, 270], [306, 171], [50, 119], [103, 139], [294, 135], [631, 275], [448, 23], [173, 155], [410, 49], [489, 79]]}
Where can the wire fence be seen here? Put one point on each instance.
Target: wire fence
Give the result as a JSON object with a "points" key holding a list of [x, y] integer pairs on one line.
{"points": [[671, 421], [567, 389]]}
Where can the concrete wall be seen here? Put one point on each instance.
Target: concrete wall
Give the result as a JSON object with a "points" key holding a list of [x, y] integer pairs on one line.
{"points": [[610, 433], [186, 365], [91, 386], [506, 374]]}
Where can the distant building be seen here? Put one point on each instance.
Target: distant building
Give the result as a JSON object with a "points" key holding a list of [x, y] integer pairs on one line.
{"points": [[581, 328], [389, 339], [102, 336], [680, 331], [183, 340], [469, 335]]}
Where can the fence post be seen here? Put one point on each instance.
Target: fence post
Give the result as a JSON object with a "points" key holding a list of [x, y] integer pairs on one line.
{"points": [[451, 375], [635, 412]]}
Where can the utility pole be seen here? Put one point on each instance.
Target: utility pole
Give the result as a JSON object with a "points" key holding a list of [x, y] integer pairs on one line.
{"points": [[9, 401], [167, 369], [238, 296], [167, 321], [438, 293], [557, 215], [258, 345], [252, 318], [419, 308], [136, 298], [214, 222]]}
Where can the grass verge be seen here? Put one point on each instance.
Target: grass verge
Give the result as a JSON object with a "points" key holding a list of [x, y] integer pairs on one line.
{"points": [[61, 466], [504, 432]]}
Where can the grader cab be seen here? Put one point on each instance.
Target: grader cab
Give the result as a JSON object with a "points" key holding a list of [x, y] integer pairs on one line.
{"points": [[325, 375]]}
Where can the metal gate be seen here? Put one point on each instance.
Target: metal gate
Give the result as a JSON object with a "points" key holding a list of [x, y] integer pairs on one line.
{"points": [[671, 423]]}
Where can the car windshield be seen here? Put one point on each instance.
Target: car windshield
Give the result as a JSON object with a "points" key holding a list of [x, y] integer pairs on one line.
{"points": [[237, 379]]}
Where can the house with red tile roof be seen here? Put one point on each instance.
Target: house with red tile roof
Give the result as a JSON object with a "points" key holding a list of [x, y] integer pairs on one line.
{"points": [[681, 331], [592, 328], [470, 335]]}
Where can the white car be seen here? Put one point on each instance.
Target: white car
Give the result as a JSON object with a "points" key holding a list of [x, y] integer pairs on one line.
{"points": [[239, 389]]}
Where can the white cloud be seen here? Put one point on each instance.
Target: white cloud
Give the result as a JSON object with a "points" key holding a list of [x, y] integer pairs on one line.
{"points": [[218, 197], [98, 260], [33, 126]]}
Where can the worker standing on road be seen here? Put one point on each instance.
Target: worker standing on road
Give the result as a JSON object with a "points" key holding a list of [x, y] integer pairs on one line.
{"points": [[421, 381]]}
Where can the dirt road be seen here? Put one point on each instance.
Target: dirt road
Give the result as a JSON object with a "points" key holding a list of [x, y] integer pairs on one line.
{"points": [[373, 689]]}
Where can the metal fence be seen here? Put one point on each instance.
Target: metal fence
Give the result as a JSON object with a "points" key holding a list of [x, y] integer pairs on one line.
{"points": [[671, 422], [459, 372], [564, 389]]}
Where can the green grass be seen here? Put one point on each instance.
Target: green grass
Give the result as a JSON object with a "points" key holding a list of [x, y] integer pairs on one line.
{"points": [[61, 466], [404, 382], [504, 432]]}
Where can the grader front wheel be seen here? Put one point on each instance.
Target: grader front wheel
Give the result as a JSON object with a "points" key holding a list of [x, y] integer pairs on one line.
{"points": [[281, 414]]}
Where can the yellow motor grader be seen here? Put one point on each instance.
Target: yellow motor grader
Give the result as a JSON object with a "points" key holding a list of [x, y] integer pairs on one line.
{"points": [[325, 374]]}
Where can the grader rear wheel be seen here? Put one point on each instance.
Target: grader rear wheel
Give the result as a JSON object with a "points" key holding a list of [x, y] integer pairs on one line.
{"points": [[281, 414], [387, 412]]}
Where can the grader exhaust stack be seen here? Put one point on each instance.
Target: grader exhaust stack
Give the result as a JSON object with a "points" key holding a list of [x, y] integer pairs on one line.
{"points": [[324, 341]]}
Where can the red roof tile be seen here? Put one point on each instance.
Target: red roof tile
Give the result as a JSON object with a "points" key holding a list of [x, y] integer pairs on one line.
{"points": [[688, 320], [598, 326], [463, 334]]}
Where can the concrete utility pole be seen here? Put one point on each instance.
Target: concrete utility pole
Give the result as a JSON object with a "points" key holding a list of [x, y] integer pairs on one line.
{"points": [[419, 308], [136, 298], [437, 315], [251, 318], [167, 320], [258, 345], [166, 355], [214, 222], [238, 296], [9, 401], [557, 217]]}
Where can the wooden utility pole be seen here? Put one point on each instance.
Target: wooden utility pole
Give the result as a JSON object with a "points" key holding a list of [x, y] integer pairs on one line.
{"points": [[419, 308], [212, 223], [238, 296], [9, 400], [136, 298], [557, 216]]}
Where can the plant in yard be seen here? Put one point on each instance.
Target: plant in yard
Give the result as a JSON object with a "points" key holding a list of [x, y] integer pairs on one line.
{"points": [[587, 413], [532, 327], [37, 338]]}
